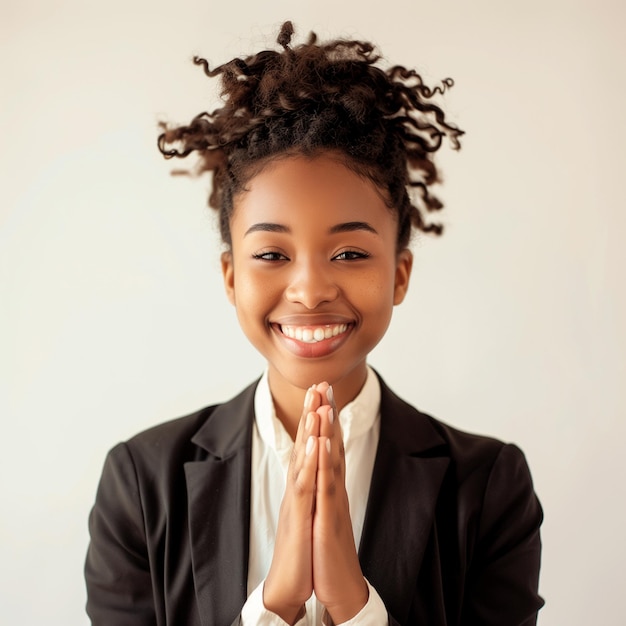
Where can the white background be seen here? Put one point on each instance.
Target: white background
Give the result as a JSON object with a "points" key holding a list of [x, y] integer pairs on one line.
{"points": [[113, 316]]}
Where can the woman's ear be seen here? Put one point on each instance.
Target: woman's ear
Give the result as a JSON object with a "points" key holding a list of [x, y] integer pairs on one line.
{"points": [[404, 264], [228, 274]]}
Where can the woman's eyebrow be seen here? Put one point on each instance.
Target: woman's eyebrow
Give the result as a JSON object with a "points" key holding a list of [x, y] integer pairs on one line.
{"points": [[346, 227], [268, 227]]}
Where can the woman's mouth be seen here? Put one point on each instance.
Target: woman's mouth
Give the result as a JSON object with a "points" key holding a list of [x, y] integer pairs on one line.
{"points": [[313, 340], [313, 334]]}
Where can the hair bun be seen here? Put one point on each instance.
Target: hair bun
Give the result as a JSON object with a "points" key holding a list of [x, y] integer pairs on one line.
{"points": [[284, 36]]}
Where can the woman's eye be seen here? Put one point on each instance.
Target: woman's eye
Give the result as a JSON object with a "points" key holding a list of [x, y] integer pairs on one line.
{"points": [[350, 255], [269, 256]]}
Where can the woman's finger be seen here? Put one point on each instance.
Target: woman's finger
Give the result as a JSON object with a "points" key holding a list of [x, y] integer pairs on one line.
{"points": [[307, 426], [331, 429]]}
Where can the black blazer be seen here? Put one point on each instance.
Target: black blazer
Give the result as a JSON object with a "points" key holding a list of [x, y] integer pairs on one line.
{"points": [[451, 531]]}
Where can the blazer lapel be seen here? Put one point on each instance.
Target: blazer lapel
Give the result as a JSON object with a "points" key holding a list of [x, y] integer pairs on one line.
{"points": [[410, 465], [218, 490]]}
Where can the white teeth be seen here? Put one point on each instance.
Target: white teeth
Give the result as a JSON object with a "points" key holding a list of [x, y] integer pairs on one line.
{"points": [[313, 335]]}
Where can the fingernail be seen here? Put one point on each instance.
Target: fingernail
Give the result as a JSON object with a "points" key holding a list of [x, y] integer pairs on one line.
{"points": [[330, 395], [331, 416], [309, 445], [309, 421], [328, 446]]}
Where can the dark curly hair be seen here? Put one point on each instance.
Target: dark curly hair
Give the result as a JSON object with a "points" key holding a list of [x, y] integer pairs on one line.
{"points": [[313, 98]]}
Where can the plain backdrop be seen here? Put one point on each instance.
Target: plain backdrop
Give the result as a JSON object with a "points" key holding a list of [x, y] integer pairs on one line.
{"points": [[113, 316]]}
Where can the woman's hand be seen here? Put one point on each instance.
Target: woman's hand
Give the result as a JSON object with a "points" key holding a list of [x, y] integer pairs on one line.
{"points": [[337, 578], [289, 583], [314, 549]]}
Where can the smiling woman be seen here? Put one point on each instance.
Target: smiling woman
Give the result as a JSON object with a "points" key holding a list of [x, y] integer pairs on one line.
{"points": [[316, 495], [313, 248]]}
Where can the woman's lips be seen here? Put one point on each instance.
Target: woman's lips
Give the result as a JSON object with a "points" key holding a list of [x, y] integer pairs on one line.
{"points": [[313, 341]]}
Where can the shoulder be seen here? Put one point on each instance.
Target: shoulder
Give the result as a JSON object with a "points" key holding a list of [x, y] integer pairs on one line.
{"points": [[491, 479], [487, 487], [172, 435], [471, 452], [472, 456], [189, 438]]}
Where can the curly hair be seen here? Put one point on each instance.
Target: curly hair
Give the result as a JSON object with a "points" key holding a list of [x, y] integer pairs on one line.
{"points": [[313, 98]]}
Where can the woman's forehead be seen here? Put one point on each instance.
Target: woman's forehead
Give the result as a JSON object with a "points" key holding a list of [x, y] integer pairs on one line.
{"points": [[298, 183]]}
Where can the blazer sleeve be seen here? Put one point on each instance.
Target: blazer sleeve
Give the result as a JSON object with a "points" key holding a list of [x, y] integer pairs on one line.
{"points": [[503, 576], [117, 568]]}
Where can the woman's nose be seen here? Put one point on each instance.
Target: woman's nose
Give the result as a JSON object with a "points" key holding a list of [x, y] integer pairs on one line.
{"points": [[311, 285]]}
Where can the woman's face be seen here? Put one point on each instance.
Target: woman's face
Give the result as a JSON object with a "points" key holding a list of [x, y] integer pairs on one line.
{"points": [[313, 270]]}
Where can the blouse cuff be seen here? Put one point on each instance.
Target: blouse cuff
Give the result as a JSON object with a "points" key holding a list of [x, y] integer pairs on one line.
{"points": [[373, 613], [254, 612]]}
